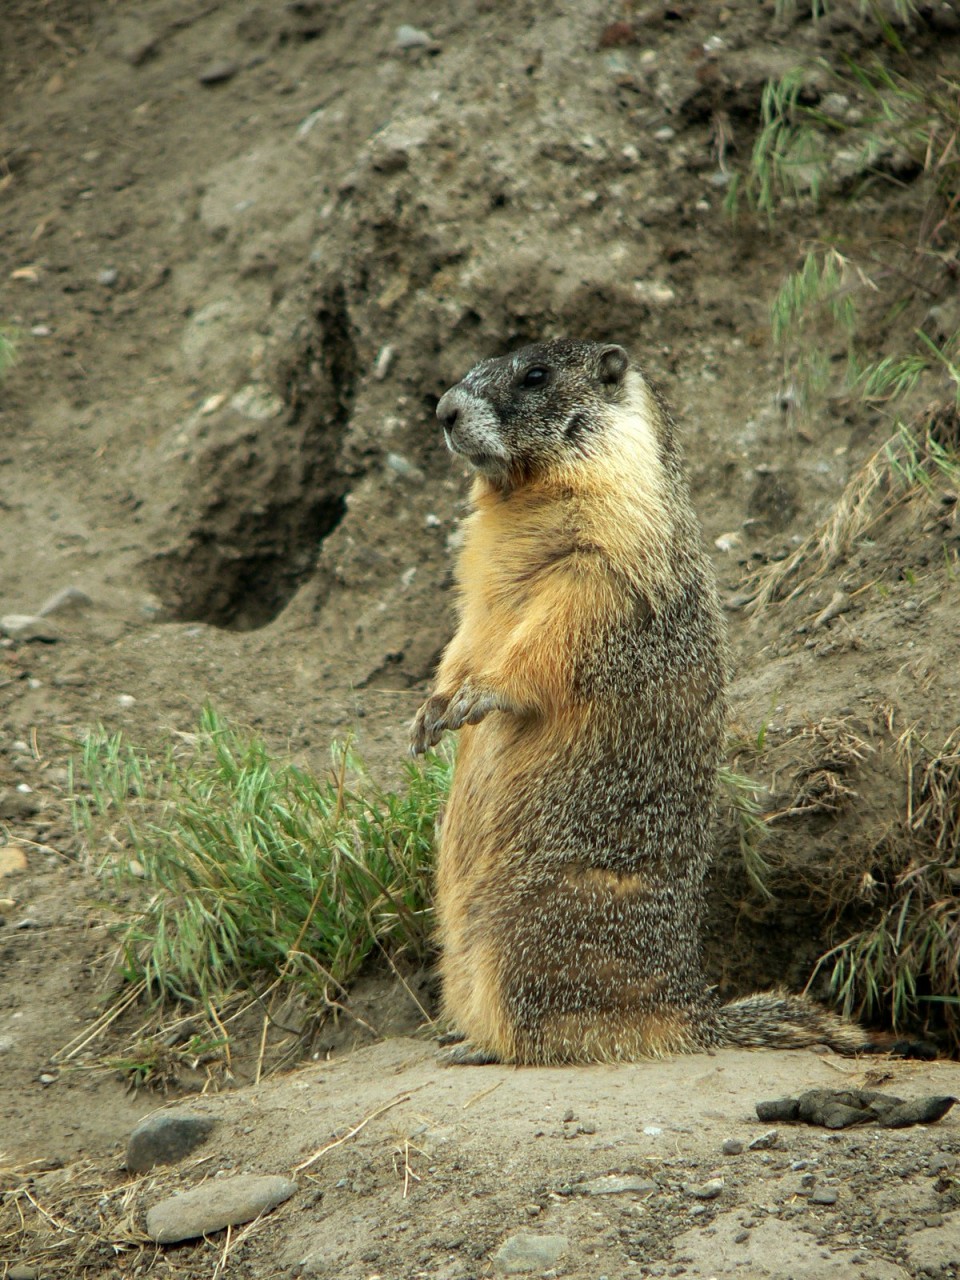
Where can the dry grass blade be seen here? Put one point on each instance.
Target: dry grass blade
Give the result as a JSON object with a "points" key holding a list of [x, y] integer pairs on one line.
{"points": [[338, 1142], [900, 470]]}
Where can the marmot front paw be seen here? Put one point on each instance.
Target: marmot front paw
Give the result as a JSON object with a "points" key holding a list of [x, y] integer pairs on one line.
{"points": [[467, 706]]}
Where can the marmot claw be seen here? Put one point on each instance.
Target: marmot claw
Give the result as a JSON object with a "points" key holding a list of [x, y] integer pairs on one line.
{"points": [[428, 724], [466, 1055]]}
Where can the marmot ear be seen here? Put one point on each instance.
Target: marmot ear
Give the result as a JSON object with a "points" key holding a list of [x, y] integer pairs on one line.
{"points": [[614, 363]]}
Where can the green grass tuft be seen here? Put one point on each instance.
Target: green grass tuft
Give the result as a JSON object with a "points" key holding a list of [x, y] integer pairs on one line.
{"points": [[258, 871], [739, 794]]}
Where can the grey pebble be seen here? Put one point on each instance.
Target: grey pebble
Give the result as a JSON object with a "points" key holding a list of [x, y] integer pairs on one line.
{"points": [[524, 1253], [218, 72], [612, 1184], [823, 1195], [405, 468], [108, 277], [708, 1190], [165, 1138], [765, 1141], [219, 1203], [28, 626], [731, 1147], [408, 37], [23, 1271]]}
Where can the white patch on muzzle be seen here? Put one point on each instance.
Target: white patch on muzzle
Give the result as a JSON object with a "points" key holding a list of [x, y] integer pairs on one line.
{"points": [[475, 435]]}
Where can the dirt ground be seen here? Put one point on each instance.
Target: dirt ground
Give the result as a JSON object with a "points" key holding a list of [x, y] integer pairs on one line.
{"points": [[246, 246]]}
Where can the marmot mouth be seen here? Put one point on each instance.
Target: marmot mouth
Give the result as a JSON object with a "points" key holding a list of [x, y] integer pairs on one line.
{"points": [[482, 461]]}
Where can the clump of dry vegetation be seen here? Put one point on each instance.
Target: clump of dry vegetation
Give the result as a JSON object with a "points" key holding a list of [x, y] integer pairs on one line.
{"points": [[918, 467], [904, 967]]}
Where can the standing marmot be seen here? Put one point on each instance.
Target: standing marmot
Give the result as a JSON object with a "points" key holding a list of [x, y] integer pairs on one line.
{"points": [[588, 675]]}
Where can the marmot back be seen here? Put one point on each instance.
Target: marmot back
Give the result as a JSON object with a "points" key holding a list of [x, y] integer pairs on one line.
{"points": [[587, 676]]}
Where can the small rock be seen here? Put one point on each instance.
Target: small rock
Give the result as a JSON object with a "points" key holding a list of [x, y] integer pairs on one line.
{"points": [[13, 858], [708, 1190], [612, 1184], [46, 1078], [666, 134], [108, 277], [521, 1254], [66, 600], [404, 467], [408, 37], [28, 626], [219, 1203], [381, 366], [731, 1147], [165, 1138], [23, 1271], [765, 1141], [834, 104], [260, 404], [218, 72], [125, 700], [823, 1195], [17, 804]]}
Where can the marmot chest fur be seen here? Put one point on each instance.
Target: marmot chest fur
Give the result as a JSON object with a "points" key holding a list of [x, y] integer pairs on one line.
{"points": [[587, 678]]}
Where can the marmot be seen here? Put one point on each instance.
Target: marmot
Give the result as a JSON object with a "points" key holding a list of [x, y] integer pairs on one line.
{"points": [[588, 676]]}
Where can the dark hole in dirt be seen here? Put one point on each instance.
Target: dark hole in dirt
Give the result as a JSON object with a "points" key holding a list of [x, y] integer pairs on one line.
{"points": [[262, 496]]}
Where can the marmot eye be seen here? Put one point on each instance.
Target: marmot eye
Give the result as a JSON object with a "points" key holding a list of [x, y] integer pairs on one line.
{"points": [[535, 377]]}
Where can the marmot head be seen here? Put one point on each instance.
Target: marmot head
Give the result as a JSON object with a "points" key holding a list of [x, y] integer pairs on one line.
{"points": [[518, 416]]}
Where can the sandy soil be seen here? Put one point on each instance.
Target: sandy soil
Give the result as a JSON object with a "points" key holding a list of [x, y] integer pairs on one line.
{"points": [[246, 247]]}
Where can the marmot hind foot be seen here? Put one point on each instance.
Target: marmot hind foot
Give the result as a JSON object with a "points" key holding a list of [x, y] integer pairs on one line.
{"points": [[466, 1054]]}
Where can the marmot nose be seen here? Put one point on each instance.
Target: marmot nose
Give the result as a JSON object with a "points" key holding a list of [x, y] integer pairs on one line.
{"points": [[448, 411]]}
